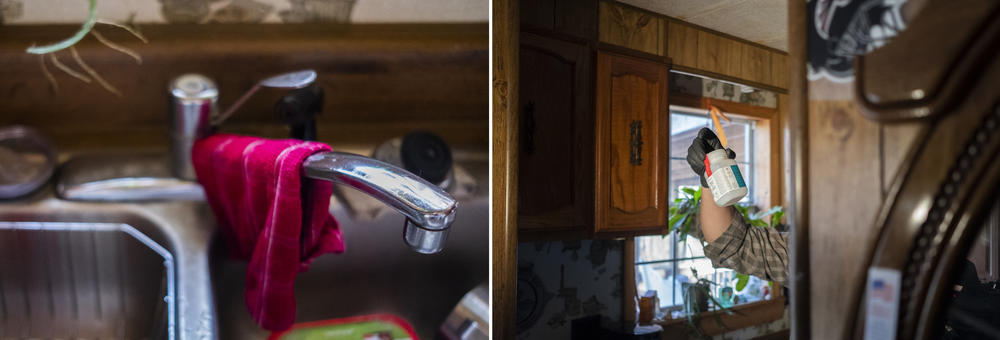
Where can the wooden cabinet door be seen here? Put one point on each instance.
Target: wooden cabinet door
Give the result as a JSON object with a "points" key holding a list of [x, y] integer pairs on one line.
{"points": [[555, 179], [631, 146], [575, 18]]}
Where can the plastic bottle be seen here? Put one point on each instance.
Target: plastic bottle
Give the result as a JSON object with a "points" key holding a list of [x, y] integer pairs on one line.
{"points": [[724, 178]]}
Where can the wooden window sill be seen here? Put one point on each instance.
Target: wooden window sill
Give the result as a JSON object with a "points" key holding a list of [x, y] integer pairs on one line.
{"points": [[743, 316]]}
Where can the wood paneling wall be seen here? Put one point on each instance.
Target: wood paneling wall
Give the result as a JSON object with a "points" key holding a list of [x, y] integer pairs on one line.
{"points": [[844, 196], [731, 58], [841, 166], [380, 81], [852, 161], [631, 28], [682, 44], [693, 48]]}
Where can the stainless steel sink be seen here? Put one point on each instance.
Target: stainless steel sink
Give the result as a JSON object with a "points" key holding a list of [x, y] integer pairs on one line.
{"points": [[104, 271], [89, 280], [73, 269], [378, 273]]}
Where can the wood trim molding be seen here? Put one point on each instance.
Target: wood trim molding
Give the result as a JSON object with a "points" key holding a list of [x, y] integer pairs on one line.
{"points": [[777, 163], [720, 76], [602, 46], [743, 316], [795, 129], [557, 35], [504, 167], [628, 282], [738, 109]]}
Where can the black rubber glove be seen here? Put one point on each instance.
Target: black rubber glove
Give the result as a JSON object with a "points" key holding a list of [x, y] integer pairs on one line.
{"points": [[706, 142]]}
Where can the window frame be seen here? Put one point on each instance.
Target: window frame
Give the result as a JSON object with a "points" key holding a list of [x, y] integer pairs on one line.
{"points": [[748, 165], [767, 123], [751, 139]]}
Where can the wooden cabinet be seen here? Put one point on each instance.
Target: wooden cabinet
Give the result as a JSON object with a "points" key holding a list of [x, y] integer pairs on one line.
{"points": [[592, 163], [556, 167], [576, 18], [631, 127]]}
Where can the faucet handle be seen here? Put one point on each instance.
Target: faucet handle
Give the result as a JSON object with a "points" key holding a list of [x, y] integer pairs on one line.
{"points": [[293, 80], [298, 110]]}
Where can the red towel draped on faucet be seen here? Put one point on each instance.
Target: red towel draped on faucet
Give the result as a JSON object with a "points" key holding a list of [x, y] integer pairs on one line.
{"points": [[255, 187]]}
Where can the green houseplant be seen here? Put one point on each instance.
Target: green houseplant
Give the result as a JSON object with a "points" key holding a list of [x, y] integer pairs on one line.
{"points": [[684, 210], [682, 215]]}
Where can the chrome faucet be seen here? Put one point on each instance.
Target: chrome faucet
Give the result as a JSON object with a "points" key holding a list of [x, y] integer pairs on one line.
{"points": [[429, 210]]}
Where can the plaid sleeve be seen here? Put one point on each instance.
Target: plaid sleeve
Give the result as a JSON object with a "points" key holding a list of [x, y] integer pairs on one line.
{"points": [[761, 252]]}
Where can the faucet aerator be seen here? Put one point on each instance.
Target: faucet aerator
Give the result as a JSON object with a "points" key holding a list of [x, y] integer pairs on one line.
{"points": [[423, 240]]}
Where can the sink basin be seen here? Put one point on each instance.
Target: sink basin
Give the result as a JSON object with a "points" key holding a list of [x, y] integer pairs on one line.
{"points": [[378, 273], [104, 271], [155, 270], [100, 280]]}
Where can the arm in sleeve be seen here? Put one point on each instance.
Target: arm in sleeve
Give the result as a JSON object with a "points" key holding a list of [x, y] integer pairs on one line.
{"points": [[761, 252]]}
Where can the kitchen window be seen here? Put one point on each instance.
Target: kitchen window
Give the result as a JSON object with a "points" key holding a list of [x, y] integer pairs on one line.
{"points": [[665, 263]]}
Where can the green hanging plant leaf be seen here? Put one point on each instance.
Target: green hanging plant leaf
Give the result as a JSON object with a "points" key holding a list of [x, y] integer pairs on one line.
{"points": [[675, 221], [87, 26], [776, 218], [689, 191], [773, 210]]}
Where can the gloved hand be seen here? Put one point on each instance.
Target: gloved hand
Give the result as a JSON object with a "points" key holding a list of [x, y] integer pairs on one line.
{"points": [[706, 142]]}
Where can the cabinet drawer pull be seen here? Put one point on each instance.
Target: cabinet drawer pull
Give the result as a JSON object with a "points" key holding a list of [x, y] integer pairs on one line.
{"points": [[635, 140]]}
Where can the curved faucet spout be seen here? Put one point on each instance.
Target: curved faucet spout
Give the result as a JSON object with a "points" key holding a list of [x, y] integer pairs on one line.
{"points": [[429, 209]]}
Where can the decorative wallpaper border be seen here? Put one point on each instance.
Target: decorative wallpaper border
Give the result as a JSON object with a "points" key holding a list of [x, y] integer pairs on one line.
{"points": [[724, 90], [14, 12]]}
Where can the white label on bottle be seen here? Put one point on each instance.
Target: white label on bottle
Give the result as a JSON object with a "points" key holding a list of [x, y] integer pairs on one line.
{"points": [[725, 180], [882, 301]]}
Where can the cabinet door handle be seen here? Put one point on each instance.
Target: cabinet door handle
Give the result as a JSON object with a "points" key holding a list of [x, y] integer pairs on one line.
{"points": [[529, 127], [635, 141]]}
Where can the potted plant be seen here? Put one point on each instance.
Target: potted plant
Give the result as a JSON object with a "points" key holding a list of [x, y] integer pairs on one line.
{"points": [[697, 296]]}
